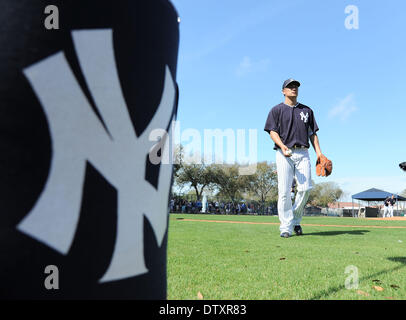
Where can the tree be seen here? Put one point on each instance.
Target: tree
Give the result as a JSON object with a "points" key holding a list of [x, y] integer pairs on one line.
{"points": [[228, 180], [198, 175], [178, 156], [324, 193], [264, 182]]}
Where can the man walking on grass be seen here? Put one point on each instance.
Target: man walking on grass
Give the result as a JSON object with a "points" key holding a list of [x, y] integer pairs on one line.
{"points": [[291, 125]]}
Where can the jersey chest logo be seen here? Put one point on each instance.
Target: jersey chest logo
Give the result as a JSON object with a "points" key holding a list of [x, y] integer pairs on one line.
{"points": [[78, 137], [304, 117]]}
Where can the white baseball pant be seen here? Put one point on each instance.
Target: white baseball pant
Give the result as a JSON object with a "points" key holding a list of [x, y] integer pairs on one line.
{"points": [[385, 211], [296, 167], [390, 212]]}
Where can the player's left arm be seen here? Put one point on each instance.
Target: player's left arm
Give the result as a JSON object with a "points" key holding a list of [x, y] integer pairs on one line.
{"points": [[314, 139]]}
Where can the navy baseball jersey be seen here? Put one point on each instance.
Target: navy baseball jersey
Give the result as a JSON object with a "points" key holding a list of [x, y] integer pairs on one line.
{"points": [[390, 201], [293, 124]]}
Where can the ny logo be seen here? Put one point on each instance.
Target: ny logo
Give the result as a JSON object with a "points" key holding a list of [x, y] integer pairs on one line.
{"points": [[304, 117], [119, 155]]}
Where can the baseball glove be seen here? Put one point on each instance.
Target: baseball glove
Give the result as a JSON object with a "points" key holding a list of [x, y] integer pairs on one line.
{"points": [[324, 166], [403, 166]]}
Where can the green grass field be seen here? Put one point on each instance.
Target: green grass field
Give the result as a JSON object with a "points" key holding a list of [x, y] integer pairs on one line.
{"points": [[239, 261]]}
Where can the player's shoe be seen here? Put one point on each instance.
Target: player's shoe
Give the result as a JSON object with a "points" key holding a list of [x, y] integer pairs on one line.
{"points": [[285, 235], [298, 230]]}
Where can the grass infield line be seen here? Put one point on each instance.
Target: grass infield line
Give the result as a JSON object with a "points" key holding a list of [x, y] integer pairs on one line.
{"points": [[305, 224]]}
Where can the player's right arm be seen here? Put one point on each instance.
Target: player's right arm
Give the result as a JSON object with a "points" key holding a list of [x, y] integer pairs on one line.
{"points": [[277, 139]]}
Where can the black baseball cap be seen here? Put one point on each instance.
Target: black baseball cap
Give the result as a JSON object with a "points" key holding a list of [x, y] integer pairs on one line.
{"points": [[287, 82]]}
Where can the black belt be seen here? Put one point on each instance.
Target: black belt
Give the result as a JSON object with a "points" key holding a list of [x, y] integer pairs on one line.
{"points": [[296, 146]]}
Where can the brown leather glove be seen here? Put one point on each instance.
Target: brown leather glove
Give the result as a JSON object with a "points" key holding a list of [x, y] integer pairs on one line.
{"points": [[324, 166]]}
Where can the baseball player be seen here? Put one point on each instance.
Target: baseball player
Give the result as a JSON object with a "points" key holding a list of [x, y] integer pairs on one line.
{"points": [[291, 125], [388, 209], [385, 207]]}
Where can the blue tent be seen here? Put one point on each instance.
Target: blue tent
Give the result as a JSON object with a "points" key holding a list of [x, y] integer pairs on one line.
{"points": [[376, 195]]}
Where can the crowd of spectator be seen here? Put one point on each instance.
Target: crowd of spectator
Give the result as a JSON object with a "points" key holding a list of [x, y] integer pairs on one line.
{"points": [[216, 207]]}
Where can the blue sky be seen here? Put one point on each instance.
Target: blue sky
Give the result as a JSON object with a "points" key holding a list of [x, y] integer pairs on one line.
{"points": [[235, 54]]}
